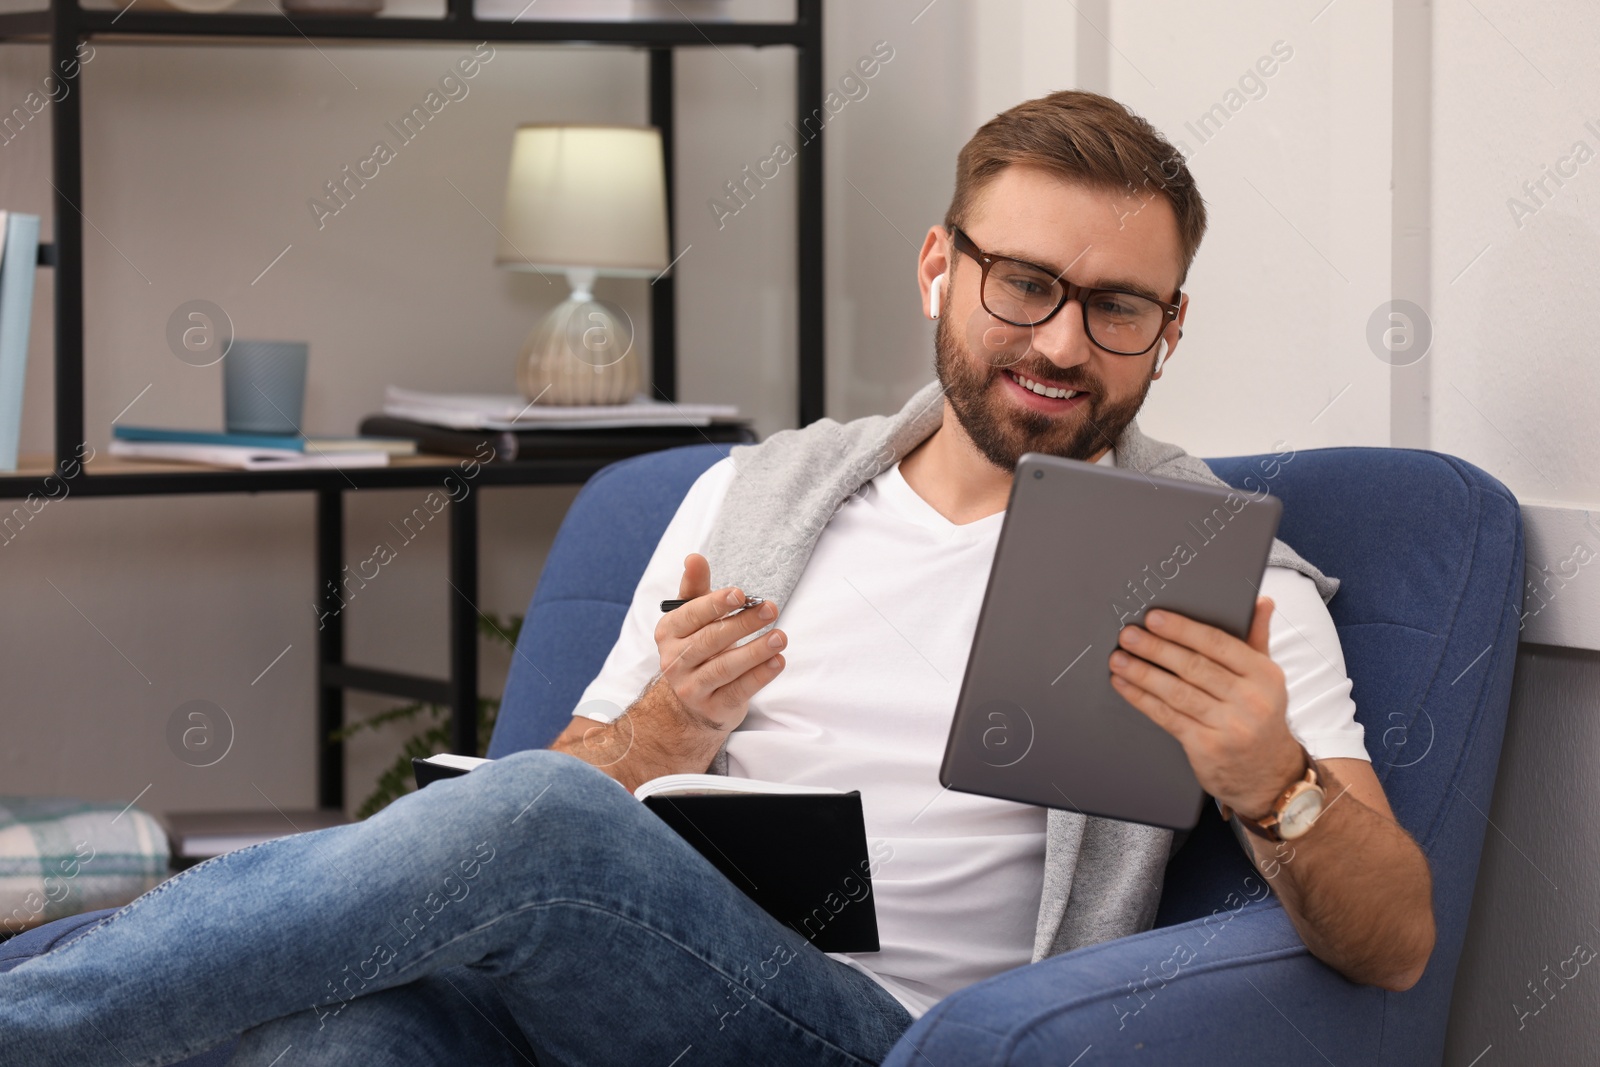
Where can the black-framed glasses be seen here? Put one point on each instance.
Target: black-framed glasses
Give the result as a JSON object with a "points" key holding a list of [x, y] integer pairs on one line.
{"points": [[1025, 294]]}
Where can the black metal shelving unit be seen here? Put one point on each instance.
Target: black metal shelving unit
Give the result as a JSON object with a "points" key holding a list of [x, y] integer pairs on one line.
{"points": [[64, 25]]}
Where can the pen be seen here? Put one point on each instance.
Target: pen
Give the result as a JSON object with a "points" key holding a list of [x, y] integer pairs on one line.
{"points": [[749, 602]]}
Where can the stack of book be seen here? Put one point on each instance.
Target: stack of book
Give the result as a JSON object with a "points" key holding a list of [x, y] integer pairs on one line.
{"points": [[460, 424], [255, 452], [19, 257]]}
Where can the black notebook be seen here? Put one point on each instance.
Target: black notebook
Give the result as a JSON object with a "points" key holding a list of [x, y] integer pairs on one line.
{"points": [[798, 851]]}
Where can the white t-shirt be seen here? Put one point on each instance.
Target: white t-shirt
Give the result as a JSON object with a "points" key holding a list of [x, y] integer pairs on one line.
{"points": [[879, 627]]}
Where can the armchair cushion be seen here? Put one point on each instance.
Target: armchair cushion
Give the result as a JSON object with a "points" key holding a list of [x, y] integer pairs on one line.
{"points": [[1236, 987]]}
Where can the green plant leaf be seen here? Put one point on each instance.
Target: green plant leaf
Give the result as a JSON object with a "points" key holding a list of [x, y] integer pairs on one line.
{"points": [[500, 631]]}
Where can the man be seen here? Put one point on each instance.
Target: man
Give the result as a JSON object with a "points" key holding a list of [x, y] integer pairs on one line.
{"points": [[532, 911], [1043, 193]]}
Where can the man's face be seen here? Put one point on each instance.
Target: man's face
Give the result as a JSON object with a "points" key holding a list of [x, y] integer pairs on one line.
{"points": [[1090, 237]]}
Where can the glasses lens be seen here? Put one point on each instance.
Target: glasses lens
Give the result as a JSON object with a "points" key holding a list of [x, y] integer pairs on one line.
{"points": [[1019, 293], [1122, 322]]}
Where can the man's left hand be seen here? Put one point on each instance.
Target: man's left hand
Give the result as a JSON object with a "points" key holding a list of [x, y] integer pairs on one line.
{"points": [[1222, 698]]}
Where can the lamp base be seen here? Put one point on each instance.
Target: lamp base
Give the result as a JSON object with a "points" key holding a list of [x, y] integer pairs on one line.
{"points": [[580, 353]]}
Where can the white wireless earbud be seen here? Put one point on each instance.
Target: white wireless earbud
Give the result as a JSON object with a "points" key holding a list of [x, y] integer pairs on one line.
{"points": [[1161, 355], [933, 296]]}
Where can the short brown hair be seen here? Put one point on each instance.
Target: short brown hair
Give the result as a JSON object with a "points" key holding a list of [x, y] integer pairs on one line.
{"points": [[1085, 137]]}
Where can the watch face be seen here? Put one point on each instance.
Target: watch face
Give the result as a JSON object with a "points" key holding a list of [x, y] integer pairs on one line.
{"points": [[1299, 813]]}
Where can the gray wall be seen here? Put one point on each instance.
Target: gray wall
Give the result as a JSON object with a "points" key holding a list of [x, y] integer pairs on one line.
{"points": [[1534, 917], [199, 162]]}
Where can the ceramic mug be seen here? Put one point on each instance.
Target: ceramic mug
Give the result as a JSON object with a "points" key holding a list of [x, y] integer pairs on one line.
{"points": [[264, 386]]}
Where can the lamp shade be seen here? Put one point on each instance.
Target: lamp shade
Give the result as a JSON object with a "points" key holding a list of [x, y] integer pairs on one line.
{"points": [[586, 197]]}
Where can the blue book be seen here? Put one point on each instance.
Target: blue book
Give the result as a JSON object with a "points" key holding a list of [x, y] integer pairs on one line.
{"points": [[292, 442], [19, 253]]}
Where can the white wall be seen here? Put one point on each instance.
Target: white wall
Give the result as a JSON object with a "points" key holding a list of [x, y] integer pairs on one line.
{"points": [[200, 161], [1296, 183], [1514, 387]]}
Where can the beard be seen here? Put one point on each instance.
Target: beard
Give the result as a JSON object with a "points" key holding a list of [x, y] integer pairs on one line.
{"points": [[1003, 431]]}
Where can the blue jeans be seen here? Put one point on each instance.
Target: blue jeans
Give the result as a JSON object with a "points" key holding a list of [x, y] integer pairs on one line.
{"points": [[531, 912]]}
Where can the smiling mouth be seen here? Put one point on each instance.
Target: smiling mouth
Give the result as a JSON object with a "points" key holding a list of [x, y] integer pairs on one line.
{"points": [[1041, 389]]}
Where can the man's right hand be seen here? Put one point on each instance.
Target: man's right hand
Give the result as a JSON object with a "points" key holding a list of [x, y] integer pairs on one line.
{"points": [[704, 672], [703, 690]]}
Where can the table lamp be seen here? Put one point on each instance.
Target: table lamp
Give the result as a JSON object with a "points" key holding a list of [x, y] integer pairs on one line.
{"points": [[585, 201]]}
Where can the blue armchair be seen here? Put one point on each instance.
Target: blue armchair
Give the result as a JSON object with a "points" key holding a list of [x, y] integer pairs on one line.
{"points": [[1429, 549]]}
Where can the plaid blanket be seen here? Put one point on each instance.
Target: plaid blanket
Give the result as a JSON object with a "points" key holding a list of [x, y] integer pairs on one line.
{"points": [[60, 857]]}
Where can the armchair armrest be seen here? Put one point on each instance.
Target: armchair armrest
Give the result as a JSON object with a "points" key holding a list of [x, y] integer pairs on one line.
{"points": [[1236, 987]]}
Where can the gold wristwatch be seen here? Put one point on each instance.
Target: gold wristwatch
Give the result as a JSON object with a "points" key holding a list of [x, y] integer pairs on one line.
{"points": [[1296, 808]]}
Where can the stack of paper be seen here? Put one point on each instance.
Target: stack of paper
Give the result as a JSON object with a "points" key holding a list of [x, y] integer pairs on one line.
{"points": [[467, 411]]}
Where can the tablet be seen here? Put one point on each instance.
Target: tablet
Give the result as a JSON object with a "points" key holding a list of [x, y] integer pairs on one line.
{"points": [[1084, 550]]}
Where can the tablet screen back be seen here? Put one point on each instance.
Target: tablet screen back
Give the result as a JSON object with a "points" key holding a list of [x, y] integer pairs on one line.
{"points": [[1084, 550]]}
